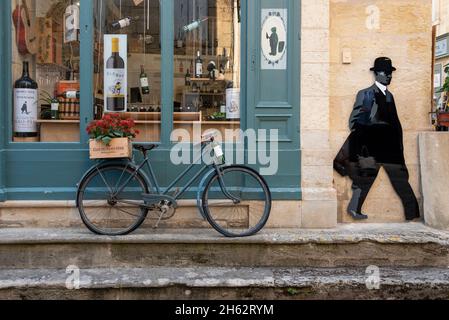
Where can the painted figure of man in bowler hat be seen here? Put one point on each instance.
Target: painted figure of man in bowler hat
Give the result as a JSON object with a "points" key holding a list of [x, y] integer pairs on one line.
{"points": [[376, 141], [274, 41]]}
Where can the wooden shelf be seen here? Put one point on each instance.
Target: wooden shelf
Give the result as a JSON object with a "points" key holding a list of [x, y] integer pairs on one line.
{"points": [[156, 116], [53, 65], [149, 127], [221, 122], [205, 94], [205, 80], [58, 121]]}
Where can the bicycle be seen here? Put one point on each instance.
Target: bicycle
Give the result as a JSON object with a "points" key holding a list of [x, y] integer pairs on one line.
{"points": [[114, 198]]}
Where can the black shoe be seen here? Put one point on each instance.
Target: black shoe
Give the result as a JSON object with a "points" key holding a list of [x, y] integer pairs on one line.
{"points": [[357, 216], [416, 219]]}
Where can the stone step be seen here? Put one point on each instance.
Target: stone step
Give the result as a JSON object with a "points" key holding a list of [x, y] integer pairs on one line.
{"points": [[225, 283], [64, 214], [383, 245]]}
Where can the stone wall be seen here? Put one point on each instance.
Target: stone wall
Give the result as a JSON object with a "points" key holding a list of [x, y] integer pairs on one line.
{"points": [[319, 207], [401, 30]]}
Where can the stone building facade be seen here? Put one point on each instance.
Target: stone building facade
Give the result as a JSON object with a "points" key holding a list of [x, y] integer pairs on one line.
{"points": [[340, 40]]}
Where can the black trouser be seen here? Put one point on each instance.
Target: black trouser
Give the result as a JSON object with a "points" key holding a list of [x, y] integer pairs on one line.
{"points": [[399, 177]]}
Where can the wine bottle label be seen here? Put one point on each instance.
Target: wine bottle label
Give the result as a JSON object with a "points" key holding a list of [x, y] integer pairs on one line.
{"points": [[54, 106], [114, 81], [25, 111], [71, 94], [233, 104], [144, 82], [199, 69], [124, 23]]}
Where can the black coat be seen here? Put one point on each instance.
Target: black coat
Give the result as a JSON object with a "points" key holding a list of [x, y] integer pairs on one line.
{"points": [[376, 132]]}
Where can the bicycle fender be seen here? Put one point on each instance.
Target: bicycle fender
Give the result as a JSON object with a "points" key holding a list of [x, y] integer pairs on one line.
{"points": [[94, 167], [201, 187]]}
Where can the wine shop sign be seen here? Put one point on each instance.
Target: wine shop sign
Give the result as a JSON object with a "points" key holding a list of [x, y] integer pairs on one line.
{"points": [[274, 39]]}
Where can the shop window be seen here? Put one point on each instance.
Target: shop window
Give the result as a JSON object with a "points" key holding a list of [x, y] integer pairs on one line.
{"points": [[206, 67], [45, 70], [127, 63]]}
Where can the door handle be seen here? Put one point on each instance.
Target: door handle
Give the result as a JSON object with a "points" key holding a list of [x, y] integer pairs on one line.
{"points": [[253, 61]]}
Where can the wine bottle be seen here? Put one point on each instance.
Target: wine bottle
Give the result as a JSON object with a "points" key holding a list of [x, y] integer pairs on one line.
{"points": [[54, 109], [181, 67], [25, 105], [179, 41], [194, 25], [123, 23], [144, 83], [71, 94], [198, 66], [188, 78], [114, 80]]}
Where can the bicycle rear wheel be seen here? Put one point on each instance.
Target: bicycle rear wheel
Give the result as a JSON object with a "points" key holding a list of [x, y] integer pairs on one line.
{"points": [[110, 200], [237, 203]]}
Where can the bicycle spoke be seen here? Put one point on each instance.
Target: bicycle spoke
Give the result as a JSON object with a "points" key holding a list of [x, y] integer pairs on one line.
{"points": [[104, 180], [249, 211], [119, 180], [127, 212], [108, 200]]}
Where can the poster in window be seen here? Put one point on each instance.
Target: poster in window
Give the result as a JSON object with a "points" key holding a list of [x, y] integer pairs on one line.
{"points": [[115, 73], [274, 39]]}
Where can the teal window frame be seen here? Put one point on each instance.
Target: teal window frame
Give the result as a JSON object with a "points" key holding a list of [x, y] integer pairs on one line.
{"points": [[86, 76], [10, 149]]}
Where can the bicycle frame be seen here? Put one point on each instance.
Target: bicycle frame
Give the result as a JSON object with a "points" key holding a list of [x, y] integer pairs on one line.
{"points": [[159, 196]]}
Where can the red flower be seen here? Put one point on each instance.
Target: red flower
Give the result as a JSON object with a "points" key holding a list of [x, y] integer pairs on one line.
{"points": [[110, 125]]}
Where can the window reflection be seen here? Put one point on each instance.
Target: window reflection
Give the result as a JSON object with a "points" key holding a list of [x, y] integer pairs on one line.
{"points": [[207, 65], [129, 81], [46, 70]]}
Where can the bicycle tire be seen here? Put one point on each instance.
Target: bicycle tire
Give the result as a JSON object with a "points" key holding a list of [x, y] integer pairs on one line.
{"points": [[82, 205], [261, 222]]}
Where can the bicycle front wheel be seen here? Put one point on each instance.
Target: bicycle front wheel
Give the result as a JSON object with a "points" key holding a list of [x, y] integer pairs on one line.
{"points": [[110, 200], [237, 202]]}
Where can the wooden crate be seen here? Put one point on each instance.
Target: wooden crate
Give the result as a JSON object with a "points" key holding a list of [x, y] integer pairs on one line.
{"points": [[69, 109], [119, 148]]}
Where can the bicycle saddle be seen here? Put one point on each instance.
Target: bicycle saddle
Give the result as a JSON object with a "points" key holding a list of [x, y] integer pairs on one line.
{"points": [[145, 147]]}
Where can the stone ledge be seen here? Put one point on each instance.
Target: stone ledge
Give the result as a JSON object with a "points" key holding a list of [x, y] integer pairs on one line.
{"points": [[405, 281], [314, 194], [65, 204], [406, 233]]}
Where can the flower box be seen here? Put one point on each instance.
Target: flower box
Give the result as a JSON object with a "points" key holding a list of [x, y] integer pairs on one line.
{"points": [[443, 119], [118, 148]]}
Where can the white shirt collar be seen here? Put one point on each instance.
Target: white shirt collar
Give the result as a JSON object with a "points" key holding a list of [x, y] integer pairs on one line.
{"points": [[382, 88]]}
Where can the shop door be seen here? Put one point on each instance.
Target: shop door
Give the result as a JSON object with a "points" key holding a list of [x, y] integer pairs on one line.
{"points": [[273, 85]]}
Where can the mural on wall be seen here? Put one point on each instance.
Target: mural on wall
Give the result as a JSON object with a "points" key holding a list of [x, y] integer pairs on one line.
{"points": [[376, 141], [274, 39]]}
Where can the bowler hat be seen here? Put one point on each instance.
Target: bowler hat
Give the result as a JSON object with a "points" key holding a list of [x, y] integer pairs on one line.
{"points": [[383, 64]]}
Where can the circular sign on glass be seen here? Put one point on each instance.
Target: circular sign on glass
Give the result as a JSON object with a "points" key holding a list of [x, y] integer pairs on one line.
{"points": [[274, 39]]}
